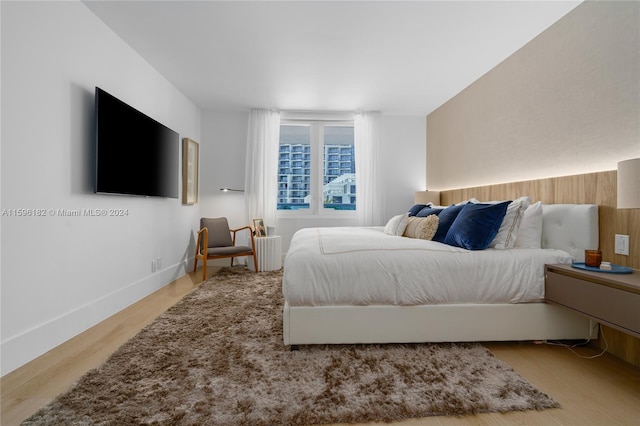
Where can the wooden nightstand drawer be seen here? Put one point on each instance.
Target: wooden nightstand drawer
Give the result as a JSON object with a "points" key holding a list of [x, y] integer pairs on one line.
{"points": [[612, 306]]}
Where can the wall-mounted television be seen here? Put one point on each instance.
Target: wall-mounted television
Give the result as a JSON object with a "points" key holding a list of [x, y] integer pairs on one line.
{"points": [[135, 154]]}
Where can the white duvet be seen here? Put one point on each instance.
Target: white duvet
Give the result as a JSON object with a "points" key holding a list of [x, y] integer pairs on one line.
{"points": [[365, 266]]}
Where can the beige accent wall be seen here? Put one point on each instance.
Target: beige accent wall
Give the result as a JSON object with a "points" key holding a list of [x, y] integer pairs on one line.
{"points": [[566, 103]]}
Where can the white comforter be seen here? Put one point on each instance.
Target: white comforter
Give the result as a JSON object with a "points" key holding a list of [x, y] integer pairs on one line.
{"points": [[365, 266]]}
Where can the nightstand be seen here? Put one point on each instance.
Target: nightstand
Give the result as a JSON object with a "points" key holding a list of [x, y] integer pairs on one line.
{"points": [[268, 252], [610, 299]]}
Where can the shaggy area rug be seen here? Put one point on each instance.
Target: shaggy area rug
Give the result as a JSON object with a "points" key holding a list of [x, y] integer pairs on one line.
{"points": [[217, 358]]}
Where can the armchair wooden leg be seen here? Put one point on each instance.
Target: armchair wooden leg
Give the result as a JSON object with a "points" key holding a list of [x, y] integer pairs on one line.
{"points": [[255, 261], [204, 269]]}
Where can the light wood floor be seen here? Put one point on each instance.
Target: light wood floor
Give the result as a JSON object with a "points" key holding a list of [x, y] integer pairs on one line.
{"points": [[600, 391]]}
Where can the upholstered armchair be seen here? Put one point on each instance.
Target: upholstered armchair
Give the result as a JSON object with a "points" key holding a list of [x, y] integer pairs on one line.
{"points": [[216, 241]]}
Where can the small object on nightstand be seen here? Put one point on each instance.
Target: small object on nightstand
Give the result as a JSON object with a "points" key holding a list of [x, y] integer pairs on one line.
{"points": [[605, 265], [592, 258]]}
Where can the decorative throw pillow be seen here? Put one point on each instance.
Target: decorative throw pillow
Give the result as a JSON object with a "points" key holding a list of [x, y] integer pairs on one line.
{"points": [[508, 232], [415, 209], [429, 210], [530, 234], [446, 217], [396, 225], [476, 225], [421, 227]]}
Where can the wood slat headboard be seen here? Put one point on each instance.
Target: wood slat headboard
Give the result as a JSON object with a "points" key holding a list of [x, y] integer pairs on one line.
{"points": [[593, 188]]}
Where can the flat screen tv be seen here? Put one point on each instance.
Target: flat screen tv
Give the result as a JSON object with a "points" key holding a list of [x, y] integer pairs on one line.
{"points": [[135, 155]]}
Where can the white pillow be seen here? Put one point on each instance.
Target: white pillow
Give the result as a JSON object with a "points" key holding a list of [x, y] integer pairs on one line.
{"points": [[530, 234], [508, 232], [396, 225]]}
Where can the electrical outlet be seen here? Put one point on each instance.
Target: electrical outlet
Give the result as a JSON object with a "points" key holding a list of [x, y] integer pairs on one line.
{"points": [[154, 265], [622, 244], [158, 264]]}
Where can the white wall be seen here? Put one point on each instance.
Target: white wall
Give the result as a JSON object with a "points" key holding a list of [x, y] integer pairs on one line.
{"points": [[224, 134], [222, 158], [403, 160], [61, 275]]}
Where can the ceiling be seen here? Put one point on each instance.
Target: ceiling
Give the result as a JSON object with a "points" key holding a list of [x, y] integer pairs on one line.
{"points": [[402, 58]]}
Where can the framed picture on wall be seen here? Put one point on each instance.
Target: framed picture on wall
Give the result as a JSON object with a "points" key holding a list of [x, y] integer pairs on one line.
{"points": [[260, 229], [190, 170]]}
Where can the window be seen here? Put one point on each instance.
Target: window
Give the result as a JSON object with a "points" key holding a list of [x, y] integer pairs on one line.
{"points": [[316, 164]]}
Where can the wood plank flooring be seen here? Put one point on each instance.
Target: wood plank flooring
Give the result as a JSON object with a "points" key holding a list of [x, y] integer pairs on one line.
{"points": [[599, 391]]}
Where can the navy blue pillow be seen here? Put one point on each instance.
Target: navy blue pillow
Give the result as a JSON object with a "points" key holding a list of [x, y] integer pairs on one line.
{"points": [[476, 225], [428, 211], [446, 218], [416, 208]]}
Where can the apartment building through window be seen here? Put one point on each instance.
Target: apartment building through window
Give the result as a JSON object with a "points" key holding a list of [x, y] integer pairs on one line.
{"points": [[316, 167]]}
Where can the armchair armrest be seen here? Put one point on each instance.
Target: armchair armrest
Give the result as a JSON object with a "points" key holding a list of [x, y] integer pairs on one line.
{"points": [[234, 231]]}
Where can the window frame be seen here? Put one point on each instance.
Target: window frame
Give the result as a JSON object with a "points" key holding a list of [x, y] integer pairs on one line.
{"points": [[316, 140]]}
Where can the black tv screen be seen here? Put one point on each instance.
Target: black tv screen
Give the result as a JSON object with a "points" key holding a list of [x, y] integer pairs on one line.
{"points": [[135, 155]]}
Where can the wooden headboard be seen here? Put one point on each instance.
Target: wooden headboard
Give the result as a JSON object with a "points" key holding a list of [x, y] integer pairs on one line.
{"points": [[593, 188]]}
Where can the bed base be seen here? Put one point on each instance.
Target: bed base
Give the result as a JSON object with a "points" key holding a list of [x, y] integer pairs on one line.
{"points": [[435, 323]]}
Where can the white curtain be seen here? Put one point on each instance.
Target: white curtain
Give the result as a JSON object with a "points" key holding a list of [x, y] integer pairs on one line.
{"points": [[368, 186], [261, 174]]}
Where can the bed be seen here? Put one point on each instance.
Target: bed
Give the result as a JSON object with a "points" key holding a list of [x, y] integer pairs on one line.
{"points": [[361, 285]]}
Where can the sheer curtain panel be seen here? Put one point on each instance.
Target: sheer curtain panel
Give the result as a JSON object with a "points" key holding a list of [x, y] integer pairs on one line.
{"points": [[261, 173], [366, 140]]}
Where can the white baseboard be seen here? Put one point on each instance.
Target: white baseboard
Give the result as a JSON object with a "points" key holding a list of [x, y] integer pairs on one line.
{"points": [[24, 347]]}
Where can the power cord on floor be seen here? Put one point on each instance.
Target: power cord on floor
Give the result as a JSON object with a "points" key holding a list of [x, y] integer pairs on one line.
{"points": [[570, 347]]}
